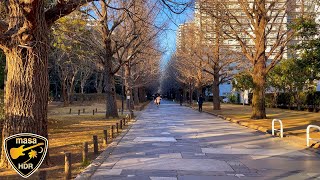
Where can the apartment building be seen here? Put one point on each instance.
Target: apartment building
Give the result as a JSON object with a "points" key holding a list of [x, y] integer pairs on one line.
{"points": [[205, 25], [187, 36]]}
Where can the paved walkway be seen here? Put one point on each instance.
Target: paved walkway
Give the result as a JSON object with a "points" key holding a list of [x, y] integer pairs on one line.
{"points": [[174, 142]]}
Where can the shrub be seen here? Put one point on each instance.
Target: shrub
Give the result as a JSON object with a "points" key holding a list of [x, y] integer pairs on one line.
{"points": [[233, 98]]}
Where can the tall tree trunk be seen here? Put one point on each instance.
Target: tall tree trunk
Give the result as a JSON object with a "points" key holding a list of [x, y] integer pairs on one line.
{"points": [[26, 98], [275, 97], [243, 96], [298, 100], [136, 96], [190, 94], [142, 95], [127, 82], [82, 88], [64, 92], [259, 70], [99, 83], [216, 94], [258, 99], [216, 72], [82, 84], [184, 93], [71, 89], [111, 101], [109, 80]]}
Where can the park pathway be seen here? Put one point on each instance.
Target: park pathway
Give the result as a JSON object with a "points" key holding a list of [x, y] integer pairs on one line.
{"points": [[173, 142]]}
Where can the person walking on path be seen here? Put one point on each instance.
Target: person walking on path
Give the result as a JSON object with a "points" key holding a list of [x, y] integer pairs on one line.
{"points": [[181, 99], [200, 102], [157, 100]]}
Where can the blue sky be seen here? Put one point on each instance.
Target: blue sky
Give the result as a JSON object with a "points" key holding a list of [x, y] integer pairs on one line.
{"points": [[168, 37]]}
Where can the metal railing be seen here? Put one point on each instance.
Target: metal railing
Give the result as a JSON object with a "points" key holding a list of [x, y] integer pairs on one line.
{"points": [[308, 133], [281, 127]]}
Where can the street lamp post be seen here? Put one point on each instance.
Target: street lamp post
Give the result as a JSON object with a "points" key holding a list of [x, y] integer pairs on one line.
{"points": [[122, 91]]}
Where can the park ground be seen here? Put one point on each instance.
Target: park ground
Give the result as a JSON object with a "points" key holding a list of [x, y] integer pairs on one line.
{"points": [[294, 122], [67, 132]]}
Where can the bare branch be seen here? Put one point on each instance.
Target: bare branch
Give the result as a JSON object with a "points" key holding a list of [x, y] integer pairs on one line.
{"points": [[63, 8], [174, 5], [3, 26], [4, 40]]}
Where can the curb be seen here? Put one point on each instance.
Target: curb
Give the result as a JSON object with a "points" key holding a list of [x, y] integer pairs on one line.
{"points": [[95, 164], [314, 148]]}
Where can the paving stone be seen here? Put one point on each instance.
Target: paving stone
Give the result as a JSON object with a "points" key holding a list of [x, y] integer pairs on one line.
{"points": [[141, 153], [252, 174], [161, 144], [176, 142], [109, 163], [235, 163], [171, 155], [202, 173], [107, 172], [197, 177], [165, 133], [163, 178], [274, 157], [155, 139], [173, 164], [252, 146], [271, 152], [199, 154], [192, 155]]}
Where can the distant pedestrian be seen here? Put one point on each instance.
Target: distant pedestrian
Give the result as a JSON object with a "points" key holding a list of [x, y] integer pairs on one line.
{"points": [[200, 102], [158, 100], [181, 99]]}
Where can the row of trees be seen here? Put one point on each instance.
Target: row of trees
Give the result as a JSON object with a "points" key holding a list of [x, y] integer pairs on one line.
{"points": [[25, 29], [264, 31], [122, 47]]}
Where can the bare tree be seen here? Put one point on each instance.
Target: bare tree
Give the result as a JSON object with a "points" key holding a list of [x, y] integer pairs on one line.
{"points": [[105, 20], [24, 40], [72, 57], [84, 74], [219, 58], [125, 29], [145, 69], [261, 30], [68, 70]]}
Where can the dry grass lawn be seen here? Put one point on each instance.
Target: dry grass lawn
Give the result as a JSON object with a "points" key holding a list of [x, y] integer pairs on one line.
{"points": [[67, 132], [294, 122]]}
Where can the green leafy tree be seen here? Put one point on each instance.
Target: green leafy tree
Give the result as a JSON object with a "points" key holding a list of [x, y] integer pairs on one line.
{"points": [[242, 82], [292, 77], [309, 49], [296, 75], [309, 45]]}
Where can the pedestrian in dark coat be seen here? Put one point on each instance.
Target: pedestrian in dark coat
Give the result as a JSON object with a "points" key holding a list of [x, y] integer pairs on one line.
{"points": [[181, 99], [200, 102]]}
